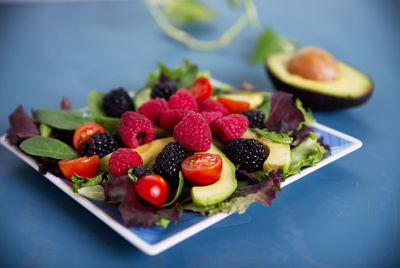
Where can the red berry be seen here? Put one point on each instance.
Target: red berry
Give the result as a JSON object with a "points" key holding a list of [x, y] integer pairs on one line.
{"points": [[152, 109], [211, 117], [193, 133], [136, 129], [171, 117], [230, 127], [182, 99], [210, 105], [122, 160]]}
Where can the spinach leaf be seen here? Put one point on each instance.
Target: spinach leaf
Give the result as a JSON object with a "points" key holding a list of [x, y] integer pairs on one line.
{"points": [[95, 102], [109, 123], [62, 119], [48, 147]]}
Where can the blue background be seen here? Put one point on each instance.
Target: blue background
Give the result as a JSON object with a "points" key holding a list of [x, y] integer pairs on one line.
{"points": [[346, 214]]}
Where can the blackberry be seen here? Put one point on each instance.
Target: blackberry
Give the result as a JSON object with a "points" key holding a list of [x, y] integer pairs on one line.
{"points": [[102, 144], [247, 154], [255, 117], [117, 102], [140, 171], [165, 88], [168, 162]]}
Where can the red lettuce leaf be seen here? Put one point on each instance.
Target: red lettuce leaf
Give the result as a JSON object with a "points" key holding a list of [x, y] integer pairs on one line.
{"points": [[301, 135], [134, 210], [22, 126], [284, 115], [322, 143]]}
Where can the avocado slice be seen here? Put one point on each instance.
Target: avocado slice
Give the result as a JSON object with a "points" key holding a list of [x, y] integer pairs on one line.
{"points": [[219, 191], [278, 153], [148, 152], [350, 89], [253, 98], [141, 97]]}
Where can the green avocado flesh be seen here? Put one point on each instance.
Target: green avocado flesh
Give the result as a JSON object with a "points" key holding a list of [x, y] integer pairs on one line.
{"points": [[352, 88], [141, 97], [219, 191], [278, 153], [148, 152]]}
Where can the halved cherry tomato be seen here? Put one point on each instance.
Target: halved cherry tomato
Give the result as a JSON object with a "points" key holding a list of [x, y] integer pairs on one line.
{"points": [[234, 106], [153, 188], [202, 169], [83, 166], [84, 132], [201, 89]]}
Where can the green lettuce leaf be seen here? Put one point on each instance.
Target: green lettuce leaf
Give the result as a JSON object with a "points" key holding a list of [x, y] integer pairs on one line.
{"points": [[185, 75], [81, 182], [281, 138], [308, 117], [306, 154]]}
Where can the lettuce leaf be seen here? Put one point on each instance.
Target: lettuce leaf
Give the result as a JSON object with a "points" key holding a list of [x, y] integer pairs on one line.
{"points": [[22, 126], [284, 116], [264, 192], [308, 117], [280, 138], [306, 154], [185, 75], [133, 209]]}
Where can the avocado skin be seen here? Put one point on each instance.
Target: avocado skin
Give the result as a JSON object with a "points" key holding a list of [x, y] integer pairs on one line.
{"points": [[318, 101]]}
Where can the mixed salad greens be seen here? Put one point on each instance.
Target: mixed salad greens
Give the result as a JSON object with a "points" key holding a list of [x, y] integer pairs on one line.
{"points": [[55, 138]]}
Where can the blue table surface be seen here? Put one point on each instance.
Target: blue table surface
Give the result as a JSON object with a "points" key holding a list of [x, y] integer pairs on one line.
{"points": [[345, 214]]}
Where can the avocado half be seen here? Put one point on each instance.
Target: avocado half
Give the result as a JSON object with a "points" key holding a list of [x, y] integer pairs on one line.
{"points": [[352, 88]]}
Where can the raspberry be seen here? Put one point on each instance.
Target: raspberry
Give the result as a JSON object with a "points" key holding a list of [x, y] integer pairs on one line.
{"points": [[211, 117], [116, 102], [168, 162], [210, 105], [193, 133], [230, 127], [122, 160], [152, 109], [255, 117], [171, 117], [136, 129], [102, 144], [183, 100], [247, 154]]}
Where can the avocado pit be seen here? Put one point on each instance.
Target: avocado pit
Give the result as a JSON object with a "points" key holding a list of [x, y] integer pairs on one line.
{"points": [[315, 64]]}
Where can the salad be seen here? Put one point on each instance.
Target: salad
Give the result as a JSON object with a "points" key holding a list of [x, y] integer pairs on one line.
{"points": [[183, 142]]}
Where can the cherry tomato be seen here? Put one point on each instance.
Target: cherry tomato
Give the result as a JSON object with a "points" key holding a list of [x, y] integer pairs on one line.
{"points": [[84, 132], [234, 106], [202, 169], [84, 166], [153, 188], [201, 89]]}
